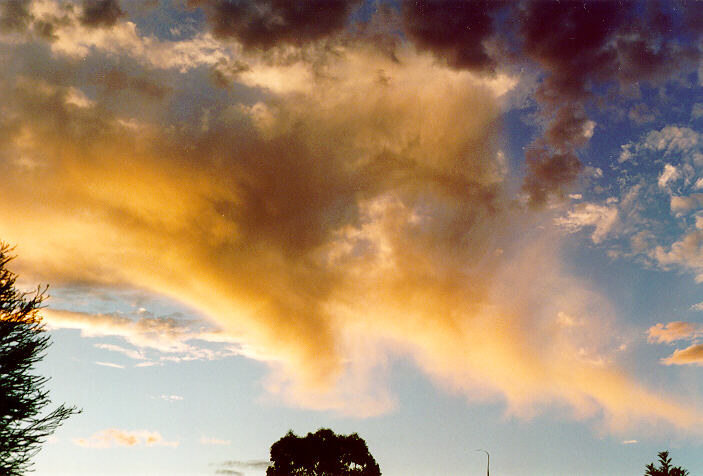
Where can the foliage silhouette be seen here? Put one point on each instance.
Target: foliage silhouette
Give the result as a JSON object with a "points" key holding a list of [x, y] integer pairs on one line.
{"points": [[22, 395], [322, 453], [665, 468]]}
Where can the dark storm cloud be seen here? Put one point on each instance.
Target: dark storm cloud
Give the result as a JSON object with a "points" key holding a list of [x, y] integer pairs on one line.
{"points": [[578, 46], [15, 15], [455, 30], [101, 13], [267, 23]]}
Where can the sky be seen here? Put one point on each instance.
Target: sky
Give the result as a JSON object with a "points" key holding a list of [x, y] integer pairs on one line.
{"points": [[442, 225]]}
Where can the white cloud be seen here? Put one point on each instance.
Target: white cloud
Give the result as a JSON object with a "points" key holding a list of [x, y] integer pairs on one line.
{"points": [[111, 437], [75, 40], [673, 331], [681, 205], [669, 174], [109, 364], [171, 339], [603, 218], [169, 398], [697, 111], [672, 139], [206, 440], [132, 354], [630, 442], [686, 253]]}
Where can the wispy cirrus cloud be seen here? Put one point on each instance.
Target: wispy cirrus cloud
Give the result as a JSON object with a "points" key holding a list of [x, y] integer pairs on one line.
{"points": [[116, 437], [155, 339], [210, 440], [238, 467]]}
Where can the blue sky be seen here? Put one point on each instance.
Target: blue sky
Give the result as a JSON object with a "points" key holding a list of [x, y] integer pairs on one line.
{"points": [[442, 225]]}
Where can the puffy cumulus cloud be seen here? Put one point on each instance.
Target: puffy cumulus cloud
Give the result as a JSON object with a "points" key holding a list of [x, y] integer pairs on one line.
{"points": [[679, 331], [329, 226], [115, 437], [669, 174], [603, 218], [685, 253], [673, 331], [663, 166], [71, 36], [269, 23], [668, 141], [682, 205], [692, 355]]}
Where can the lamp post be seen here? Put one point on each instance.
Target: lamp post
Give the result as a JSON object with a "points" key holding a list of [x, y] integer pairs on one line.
{"points": [[488, 464]]}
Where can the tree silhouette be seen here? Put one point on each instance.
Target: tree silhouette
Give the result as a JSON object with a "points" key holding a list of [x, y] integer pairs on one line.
{"points": [[22, 396], [322, 453], [665, 468]]}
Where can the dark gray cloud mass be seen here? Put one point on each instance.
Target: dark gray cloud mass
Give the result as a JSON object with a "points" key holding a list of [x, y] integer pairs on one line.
{"points": [[101, 13], [455, 30], [14, 15], [576, 45], [265, 24]]}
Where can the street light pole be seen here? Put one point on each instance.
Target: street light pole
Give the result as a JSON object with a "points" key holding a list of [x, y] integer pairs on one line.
{"points": [[488, 464]]}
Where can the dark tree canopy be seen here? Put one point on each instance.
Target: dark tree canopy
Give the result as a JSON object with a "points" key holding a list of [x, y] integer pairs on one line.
{"points": [[322, 453], [23, 341], [665, 468]]}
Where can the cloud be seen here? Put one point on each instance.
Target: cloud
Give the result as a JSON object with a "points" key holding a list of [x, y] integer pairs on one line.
{"points": [[692, 355], [589, 214], [248, 464], [171, 339], [576, 46], [100, 13], [109, 364], [115, 81], [679, 331], [630, 442], [269, 23], [686, 253], [207, 440], [170, 398], [357, 214], [454, 30], [681, 205], [673, 331], [15, 15], [115, 437], [697, 111], [669, 174]]}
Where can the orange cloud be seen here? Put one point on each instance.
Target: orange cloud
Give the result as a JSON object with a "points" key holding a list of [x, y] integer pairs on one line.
{"points": [[673, 331], [116, 437], [359, 215]]}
